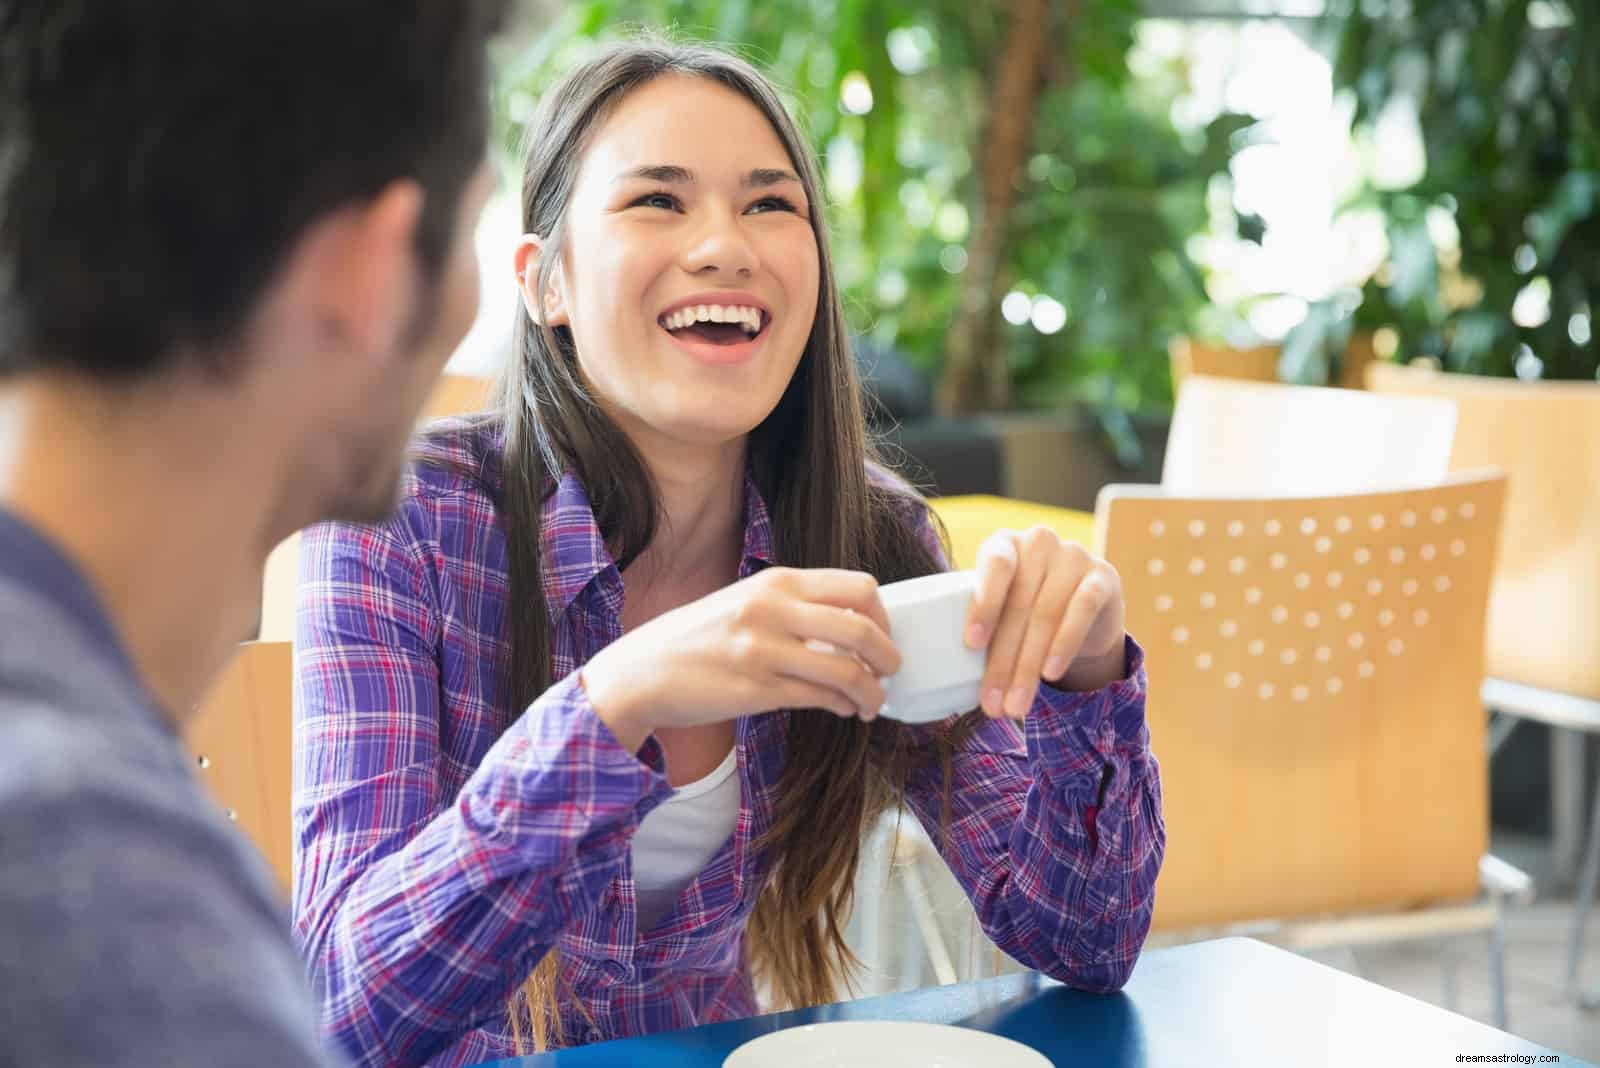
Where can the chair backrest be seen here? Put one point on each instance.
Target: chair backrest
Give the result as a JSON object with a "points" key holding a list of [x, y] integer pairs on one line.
{"points": [[1315, 665], [1189, 356], [457, 395], [1235, 437], [241, 739], [454, 395], [1544, 615]]}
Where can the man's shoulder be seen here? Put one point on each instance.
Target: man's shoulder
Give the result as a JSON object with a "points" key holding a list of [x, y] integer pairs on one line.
{"points": [[110, 775], [138, 925]]}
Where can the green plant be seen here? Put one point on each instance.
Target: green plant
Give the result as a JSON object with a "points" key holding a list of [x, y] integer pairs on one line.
{"points": [[1494, 258], [901, 99]]}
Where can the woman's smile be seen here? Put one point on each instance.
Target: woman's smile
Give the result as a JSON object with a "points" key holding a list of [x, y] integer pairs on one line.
{"points": [[718, 327]]}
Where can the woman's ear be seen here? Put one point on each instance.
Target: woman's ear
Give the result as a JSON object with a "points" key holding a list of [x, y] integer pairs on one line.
{"points": [[526, 261]]}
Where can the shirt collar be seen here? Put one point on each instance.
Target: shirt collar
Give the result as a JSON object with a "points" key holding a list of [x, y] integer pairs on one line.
{"points": [[575, 553]]}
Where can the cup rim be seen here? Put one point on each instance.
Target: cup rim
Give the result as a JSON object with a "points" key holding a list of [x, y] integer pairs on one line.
{"points": [[927, 588]]}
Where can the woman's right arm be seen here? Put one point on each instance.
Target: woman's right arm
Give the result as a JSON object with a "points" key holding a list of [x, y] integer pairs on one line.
{"points": [[418, 913]]}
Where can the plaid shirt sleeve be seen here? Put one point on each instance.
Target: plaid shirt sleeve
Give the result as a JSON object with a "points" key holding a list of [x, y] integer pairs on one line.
{"points": [[1055, 830], [409, 905]]}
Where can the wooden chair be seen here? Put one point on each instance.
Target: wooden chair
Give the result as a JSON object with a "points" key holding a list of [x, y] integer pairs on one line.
{"points": [[1544, 614], [457, 395], [1232, 436], [241, 741], [1189, 356], [1315, 665]]}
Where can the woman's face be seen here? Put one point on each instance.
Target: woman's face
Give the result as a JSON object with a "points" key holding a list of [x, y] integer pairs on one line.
{"points": [[690, 274]]}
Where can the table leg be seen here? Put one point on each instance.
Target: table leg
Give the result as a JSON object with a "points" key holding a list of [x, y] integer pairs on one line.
{"points": [[1580, 911], [1449, 988], [1497, 969], [1566, 802]]}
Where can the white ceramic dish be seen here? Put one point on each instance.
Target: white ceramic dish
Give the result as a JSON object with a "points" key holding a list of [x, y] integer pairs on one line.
{"points": [[939, 676], [883, 1044]]}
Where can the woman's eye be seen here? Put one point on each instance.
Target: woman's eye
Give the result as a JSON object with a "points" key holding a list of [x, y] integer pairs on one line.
{"points": [[766, 204], [664, 201]]}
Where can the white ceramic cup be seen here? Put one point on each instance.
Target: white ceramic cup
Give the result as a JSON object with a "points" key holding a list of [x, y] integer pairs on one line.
{"points": [[939, 676]]}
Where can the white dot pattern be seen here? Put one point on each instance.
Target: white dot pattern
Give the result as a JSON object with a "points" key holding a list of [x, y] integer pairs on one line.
{"points": [[1399, 572]]}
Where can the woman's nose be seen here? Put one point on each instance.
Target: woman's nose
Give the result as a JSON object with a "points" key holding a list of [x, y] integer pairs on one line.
{"points": [[721, 246]]}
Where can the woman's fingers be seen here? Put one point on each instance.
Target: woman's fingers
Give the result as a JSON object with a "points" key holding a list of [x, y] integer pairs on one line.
{"points": [[1064, 570], [836, 671], [1089, 599], [999, 694], [798, 693], [853, 590], [845, 630], [997, 567]]}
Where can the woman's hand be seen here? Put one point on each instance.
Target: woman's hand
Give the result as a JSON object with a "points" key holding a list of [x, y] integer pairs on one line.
{"points": [[784, 638], [1047, 610]]}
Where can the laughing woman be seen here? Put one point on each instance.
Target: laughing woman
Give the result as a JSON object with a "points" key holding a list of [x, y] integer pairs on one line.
{"points": [[571, 761]]}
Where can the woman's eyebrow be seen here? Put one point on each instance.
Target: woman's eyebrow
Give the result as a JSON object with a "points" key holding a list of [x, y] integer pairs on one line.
{"points": [[672, 174], [658, 172], [765, 176]]}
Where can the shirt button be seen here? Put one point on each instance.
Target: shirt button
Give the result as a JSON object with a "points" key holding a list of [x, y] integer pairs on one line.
{"points": [[593, 1035]]}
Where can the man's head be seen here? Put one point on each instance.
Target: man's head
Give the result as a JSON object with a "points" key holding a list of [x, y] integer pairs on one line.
{"points": [[235, 194]]}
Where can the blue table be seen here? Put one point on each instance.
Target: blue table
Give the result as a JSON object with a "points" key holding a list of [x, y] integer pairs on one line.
{"points": [[1232, 1003]]}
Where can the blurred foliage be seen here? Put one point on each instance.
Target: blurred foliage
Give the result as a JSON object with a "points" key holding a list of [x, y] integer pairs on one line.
{"points": [[1507, 93], [1105, 204]]}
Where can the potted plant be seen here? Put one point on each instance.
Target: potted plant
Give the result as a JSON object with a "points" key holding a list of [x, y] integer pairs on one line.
{"points": [[1494, 253]]}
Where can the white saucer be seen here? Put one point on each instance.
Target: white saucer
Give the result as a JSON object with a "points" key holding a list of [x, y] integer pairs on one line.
{"points": [[883, 1044]]}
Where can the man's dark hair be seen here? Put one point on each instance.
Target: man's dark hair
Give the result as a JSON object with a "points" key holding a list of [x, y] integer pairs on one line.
{"points": [[158, 158]]}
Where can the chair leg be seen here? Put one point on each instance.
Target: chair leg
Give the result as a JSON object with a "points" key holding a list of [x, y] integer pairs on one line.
{"points": [[1497, 969], [875, 879], [1449, 988], [1581, 907], [920, 899]]}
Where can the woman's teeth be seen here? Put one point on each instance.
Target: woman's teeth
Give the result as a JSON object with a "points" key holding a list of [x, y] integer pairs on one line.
{"points": [[745, 317]]}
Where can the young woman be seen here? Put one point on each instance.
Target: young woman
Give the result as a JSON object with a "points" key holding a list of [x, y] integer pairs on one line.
{"points": [[571, 762]]}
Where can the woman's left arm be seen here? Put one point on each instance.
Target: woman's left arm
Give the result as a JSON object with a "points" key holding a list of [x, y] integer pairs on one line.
{"points": [[1051, 815]]}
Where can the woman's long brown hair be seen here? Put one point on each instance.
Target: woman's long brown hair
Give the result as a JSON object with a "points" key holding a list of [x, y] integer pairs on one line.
{"points": [[809, 458]]}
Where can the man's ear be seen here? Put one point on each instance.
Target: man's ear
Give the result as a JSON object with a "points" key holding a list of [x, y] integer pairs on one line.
{"points": [[525, 262], [358, 268]]}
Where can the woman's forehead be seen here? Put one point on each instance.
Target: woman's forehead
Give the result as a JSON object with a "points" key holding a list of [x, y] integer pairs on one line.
{"points": [[701, 127]]}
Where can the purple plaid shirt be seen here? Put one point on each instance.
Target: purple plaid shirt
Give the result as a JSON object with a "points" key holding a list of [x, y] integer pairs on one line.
{"points": [[438, 858]]}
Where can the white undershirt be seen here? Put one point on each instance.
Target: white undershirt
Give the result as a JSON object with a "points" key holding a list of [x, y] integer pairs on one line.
{"points": [[679, 837]]}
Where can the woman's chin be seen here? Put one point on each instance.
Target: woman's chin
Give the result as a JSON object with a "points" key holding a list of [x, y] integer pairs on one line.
{"points": [[709, 427]]}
